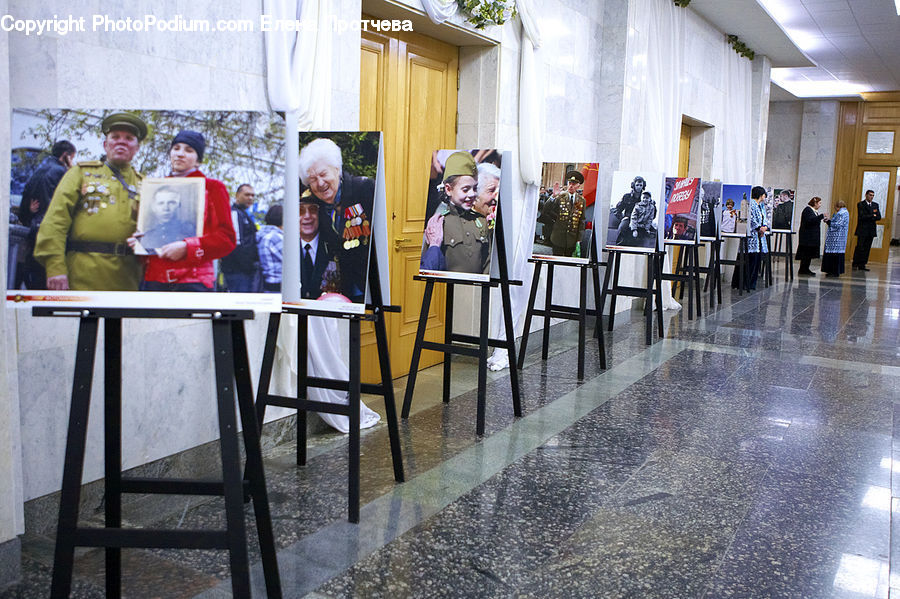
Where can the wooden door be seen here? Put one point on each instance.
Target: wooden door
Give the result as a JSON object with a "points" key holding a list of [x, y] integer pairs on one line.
{"points": [[408, 90], [883, 181], [684, 150]]}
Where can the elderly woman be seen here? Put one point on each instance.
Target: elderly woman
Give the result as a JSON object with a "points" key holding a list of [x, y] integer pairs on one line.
{"points": [[345, 210], [187, 264], [836, 241], [488, 190], [757, 227], [809, 235]]}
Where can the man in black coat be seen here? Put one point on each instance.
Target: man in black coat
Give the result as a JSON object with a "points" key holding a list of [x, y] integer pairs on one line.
{"points": [[868, 213], [36, 198], [345, 211]]}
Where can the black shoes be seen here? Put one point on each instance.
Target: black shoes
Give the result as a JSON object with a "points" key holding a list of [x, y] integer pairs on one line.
{"points": [[807, 273]]}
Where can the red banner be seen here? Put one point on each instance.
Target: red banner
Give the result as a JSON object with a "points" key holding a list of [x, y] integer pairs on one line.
{"points": [[683, 195], [589, 191]]}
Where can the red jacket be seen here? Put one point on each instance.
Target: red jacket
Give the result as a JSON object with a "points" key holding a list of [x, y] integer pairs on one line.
{"points": [[218, 240]]}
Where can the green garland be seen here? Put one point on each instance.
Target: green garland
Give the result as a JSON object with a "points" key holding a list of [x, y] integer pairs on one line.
{"points": [[741, 48], [482, 13], [682, 3]]}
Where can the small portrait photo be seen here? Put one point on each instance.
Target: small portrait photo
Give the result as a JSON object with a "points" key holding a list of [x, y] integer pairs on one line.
{"points": [[635, 219], [733, 221], [563, 229], [171, 209], [710, 209], [461, 210], [682, 208], [782, 209]]}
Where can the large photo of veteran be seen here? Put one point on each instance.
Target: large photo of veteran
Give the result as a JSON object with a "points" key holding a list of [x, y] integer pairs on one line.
{"points": [[561, 232], [459, 228], [89, 238], [337, 195], [782, 216], [170, 210], [635, 221]]}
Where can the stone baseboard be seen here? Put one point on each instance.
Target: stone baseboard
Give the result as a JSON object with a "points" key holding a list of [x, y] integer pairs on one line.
{"points": [[10, 563]]}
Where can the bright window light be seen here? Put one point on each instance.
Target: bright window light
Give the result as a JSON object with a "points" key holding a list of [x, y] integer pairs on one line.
{"points": [[862, 575], [878, 498]]}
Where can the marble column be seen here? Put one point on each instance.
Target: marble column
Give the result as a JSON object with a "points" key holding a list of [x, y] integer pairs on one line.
{"points": [[760, 88]]}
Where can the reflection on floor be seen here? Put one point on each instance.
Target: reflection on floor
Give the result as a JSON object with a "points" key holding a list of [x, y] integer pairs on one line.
{"points": [[749, 454]]}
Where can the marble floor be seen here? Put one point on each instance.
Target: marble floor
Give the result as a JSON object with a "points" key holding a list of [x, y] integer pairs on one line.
{"points": [[748, 454]]}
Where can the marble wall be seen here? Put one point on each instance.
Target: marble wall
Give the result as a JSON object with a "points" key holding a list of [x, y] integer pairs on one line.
{"points": [[783, 143]]}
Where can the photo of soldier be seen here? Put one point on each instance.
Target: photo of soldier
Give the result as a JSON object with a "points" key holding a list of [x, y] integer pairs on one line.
{"points": [[564, 214], [710, 209], [459, 232], [564, 223], [165, 216]]}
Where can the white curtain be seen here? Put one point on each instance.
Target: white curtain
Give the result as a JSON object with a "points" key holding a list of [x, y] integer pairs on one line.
{"points": [[440, 10], [298, 80]]}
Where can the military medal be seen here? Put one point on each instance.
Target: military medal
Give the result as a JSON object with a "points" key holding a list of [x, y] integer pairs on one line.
{"points": [[356, 227]]}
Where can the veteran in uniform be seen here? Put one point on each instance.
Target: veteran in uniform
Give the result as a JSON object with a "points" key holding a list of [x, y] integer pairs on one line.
{"points": [[566, 210], [81, 241], [462, 234], [345, 208]]}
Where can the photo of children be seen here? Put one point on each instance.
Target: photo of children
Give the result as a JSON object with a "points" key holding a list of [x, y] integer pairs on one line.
{"points": [[635, 220]]}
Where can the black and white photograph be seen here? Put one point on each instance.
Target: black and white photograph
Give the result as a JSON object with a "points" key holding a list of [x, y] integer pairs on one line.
{"points": [[171, 210], [635, 217], [782, 202], [710, 209]]}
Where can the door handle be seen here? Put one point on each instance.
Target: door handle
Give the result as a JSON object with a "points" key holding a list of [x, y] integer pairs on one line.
{"points": [[398, 241]]}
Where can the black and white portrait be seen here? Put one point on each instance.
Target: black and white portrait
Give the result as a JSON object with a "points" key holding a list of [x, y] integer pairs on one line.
{"points": [[170, 210]]}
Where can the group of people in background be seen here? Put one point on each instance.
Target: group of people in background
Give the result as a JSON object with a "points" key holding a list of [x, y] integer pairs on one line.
{"points": [[868, 213]]}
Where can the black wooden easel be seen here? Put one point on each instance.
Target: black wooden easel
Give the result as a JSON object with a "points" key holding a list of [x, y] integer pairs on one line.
{"points": [[353, 386], [686, 270], [740, 263], [552, 310], [652, 289], [232, 372], [713, 271], [456, 343], [782, 246]]}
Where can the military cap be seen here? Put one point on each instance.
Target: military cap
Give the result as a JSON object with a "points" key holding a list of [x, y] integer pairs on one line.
{"points": [[125, 120], [574, 176], [460, 163]]}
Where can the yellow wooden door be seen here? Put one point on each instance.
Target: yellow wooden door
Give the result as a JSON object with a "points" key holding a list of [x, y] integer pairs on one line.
{"points": [[408, 90], [883, 181], [684, 150]]}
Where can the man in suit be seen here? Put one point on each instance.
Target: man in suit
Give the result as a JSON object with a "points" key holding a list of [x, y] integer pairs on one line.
{"points": [[316, 250], [345, 211], [868, 212]]}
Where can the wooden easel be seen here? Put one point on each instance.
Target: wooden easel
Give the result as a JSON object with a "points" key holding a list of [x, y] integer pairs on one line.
{"points": [[782, 247], [552, 310], [713, 271], [354, 386], [468, 345], [653, 289], [740, 262], [686, 270], [232, 373]]}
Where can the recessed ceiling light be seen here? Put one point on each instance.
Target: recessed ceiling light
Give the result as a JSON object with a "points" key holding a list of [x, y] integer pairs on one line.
{"points": [[804, 88], [897, 4]]}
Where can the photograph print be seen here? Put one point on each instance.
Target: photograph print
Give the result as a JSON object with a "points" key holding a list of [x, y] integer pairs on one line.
{"points": [[113, 200], [735, 210], [635, 219], [710, 209], [563, 228], [171, 210], [337, 197], [460, 217], [782, 202], [682, 209]]}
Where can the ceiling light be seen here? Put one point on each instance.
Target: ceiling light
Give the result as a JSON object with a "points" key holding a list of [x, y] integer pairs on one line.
{"points": [[804, 88], [897, 4]]}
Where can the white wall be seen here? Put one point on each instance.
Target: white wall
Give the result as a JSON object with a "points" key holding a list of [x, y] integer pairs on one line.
{"points": [[783, 144]]}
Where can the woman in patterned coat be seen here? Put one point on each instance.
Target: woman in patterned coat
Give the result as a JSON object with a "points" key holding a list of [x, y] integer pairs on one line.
{"points": [[836, 241], [757, 227]]}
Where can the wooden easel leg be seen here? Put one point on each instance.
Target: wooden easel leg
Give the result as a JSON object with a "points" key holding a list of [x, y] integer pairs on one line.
{"points": [[582, 321], [616, 262], [679, 270], [719, 272], [387, 387], [231, 467], [253, 450], [695, 278], [511, 347], [354, 401], [112, 436], [417, 350], [265, 371], [659, 299], [529, 313], [302, 389], [448, 338], [482, 358], [548, 305], [598, 304], [648, 300], [70, 494], [686, 271]]}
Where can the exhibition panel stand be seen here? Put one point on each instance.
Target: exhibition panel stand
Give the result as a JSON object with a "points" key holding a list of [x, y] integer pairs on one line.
{"points": [[652, 289], [782, 247], [713, 271], [469, 345], [687, 270], [354, 386], [740, 262], [232, 372], [552, 310]]}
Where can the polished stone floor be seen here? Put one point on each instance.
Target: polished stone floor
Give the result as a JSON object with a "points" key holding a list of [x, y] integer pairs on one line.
{"points": [[748, 454]]}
